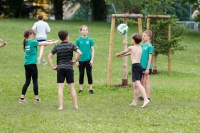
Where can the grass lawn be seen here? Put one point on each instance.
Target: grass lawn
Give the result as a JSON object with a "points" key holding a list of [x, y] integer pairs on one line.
{"points": [[175, 97]]}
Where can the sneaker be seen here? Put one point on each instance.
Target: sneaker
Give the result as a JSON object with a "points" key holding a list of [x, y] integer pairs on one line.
{"points": [[45, 62], [21, 101], [36, 101], [91, 92], [80, 91], [38, 61], [141, 98]]}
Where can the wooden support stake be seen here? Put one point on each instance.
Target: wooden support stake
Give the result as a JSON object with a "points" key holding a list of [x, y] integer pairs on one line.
{"points": [[128, 16], [148, 23], [140, 25], [169, 50], [111, 51], [158, 16]]}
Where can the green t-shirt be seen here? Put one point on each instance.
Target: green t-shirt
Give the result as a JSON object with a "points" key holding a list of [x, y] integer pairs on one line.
{"points": [[85, 44], [31, 52], [146, 50]]}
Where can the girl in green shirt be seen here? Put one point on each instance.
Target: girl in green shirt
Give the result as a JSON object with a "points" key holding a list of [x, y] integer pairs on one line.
{"points": [[86, 46], [30, 58]]}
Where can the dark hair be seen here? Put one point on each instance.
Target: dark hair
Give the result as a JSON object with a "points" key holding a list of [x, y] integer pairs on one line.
{"points": [[137, 37], [63, 34], [26, 35], [40, 17]]}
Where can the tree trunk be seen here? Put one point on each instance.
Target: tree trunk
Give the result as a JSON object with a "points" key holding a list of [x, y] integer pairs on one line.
{"points": [[58, 9], [99, 10], [154, 64]]}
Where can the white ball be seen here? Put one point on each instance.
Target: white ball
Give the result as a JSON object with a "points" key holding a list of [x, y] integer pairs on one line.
{"points": [[122, 29]]}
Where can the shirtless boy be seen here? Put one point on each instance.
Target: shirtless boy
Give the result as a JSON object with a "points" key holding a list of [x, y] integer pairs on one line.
{"points": [[135, 51]]}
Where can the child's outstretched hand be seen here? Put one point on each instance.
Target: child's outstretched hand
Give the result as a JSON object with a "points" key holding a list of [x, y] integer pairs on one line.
{"points": [[117, 55], [55, 41], [51, 40]]}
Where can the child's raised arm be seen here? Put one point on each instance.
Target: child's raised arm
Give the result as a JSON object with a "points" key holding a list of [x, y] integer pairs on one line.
{"points": [[124, 53], [48, 42]]}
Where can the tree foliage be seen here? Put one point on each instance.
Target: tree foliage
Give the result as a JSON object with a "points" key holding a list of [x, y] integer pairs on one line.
{"points": [[159, 28], [182, 11], [94, 9], [196, 6], [12, 8], [127, 6], [160, 40], [19, 8]]}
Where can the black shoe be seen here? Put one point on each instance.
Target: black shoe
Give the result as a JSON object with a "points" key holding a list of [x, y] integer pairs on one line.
{"points": [[80, 91], [141, 98], [149, 99], [91, 92]]}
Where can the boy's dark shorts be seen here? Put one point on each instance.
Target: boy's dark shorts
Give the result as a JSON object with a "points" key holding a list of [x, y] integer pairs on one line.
{"points": [[67, 74], [150, 71], [136, 72]]}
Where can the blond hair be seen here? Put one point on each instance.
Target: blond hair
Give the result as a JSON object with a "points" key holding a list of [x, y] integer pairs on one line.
{"points": [[83, 26], [148, 32]]}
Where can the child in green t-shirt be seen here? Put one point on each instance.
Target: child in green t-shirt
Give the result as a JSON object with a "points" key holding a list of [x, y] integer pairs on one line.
{"points": [[146, 59], [30, 59], [86, 46]]}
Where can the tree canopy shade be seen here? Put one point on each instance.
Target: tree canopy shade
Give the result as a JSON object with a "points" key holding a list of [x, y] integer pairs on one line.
{"points": [[127, 6]]}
